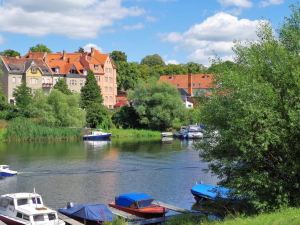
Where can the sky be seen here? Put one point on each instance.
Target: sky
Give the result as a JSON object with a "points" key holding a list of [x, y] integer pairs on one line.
{"points": [[180, 31]]}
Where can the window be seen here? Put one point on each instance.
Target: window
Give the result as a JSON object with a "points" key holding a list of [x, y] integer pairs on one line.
{"points": [[4, 203], [110, 89], [110, 79], [51, 216], [38, 217], [22, 201], [36, 200], [25, 217], [106, 79], [19, 215], [19, 80], [33, 69], [13, 79], [33, 81], [96, 67], [106, 98]]}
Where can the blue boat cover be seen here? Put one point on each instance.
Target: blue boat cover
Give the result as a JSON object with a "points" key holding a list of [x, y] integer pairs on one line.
{"points": [[127, 199], [212, 192], [92, 212]]}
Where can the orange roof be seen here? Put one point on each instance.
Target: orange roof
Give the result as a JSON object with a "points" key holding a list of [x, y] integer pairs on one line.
{"points": [[198, 81], [35, 55]]}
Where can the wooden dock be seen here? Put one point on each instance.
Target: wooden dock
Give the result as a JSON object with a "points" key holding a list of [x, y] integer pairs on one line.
{"points": [[67, 219], [175, 208]]}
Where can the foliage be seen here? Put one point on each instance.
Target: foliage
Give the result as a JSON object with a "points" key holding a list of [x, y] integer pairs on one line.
{"points": [[91, 101], [22, 129], [186, 219], [219, 67], [62, 86], [23, 99], [256, 114], [10, 52], [80, 50], [118, 56], [40, 48], [118, 221], [158, 105], [90, 92], [128, 75], [126, 117], [57, 109], [153, 60]]}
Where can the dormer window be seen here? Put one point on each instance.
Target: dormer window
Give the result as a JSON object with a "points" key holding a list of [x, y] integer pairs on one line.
{"points": [[96, 67], [33, 69]]}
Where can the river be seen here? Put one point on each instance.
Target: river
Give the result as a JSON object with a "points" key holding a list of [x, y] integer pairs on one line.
{"points": [[96, 172]]}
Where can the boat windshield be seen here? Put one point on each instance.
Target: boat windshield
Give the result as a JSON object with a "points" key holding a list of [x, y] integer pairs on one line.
{"points": [[39, 217], [36, 201], [22, 201], [144, 203], [5, 167], [52, 216]]}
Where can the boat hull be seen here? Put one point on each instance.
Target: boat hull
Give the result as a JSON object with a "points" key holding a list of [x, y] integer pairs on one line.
{"points": [[147, 212], [97, 138], [6, 174], [9, 221]]}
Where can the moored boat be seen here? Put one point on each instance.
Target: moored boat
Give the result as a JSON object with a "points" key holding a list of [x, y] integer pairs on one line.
{"points": [[211, 192], [26, 209], [89, 214], [5, 171], [166, 134], [138, 204], [97, 136]]}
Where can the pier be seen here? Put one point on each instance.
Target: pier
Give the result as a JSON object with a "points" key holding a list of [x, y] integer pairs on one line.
{"points": [[67, 219]]}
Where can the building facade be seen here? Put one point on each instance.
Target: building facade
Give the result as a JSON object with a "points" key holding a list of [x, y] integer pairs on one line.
{"points": [[42, 71]]}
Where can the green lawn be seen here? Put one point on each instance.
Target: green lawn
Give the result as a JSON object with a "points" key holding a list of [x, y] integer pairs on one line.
{"points": [[134, 133]]}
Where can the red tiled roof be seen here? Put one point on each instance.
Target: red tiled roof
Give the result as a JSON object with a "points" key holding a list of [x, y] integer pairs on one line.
{"points": [[199, 81]]}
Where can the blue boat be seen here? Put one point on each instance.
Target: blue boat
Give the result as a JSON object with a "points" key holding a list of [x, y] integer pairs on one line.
{"points": [[211, 192], [97, 136], [88, 213], [6, 172]]}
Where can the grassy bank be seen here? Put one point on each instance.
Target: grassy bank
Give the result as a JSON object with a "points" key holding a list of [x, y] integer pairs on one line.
{"points": [[24, 130], [134, 133], [288, 216]]}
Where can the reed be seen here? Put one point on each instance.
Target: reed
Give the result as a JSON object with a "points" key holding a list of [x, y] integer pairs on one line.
{"points": [[134, 133], [25, 130]]}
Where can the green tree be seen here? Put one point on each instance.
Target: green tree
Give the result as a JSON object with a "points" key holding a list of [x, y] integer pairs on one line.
{"points": [[10, 52], [158, 105], [195, 67], [118, 56], [40, 48], [126, 117], [91, 101], [153, 60], [23, 99], [128, 75], [90, 92], [80, 50], [253, 122], [62, 86]]}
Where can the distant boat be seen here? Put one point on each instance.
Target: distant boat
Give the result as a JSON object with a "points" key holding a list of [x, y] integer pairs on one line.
{"points": [[190, 132], [211, 192], [166, 134], [6, 172], [89, 214], [138, 204], [97, 136], [26, 209]]}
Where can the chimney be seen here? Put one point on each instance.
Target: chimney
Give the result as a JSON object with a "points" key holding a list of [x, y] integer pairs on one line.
{"points": [[64, 55], [92, 51], [190, 82]]}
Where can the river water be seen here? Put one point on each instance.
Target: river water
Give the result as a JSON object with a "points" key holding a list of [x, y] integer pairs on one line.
{"points": [[96, 172]]}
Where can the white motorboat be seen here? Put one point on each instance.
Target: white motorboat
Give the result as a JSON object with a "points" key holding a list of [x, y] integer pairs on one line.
{"points": [[166, 134], [194, 132], [26, 209], [5, 171]]}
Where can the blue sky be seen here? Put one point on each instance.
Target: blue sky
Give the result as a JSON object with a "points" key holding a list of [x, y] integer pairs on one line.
{"points": [[179, 30]]}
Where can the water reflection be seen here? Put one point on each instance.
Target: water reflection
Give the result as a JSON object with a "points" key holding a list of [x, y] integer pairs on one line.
{"points": [[96, 172]]}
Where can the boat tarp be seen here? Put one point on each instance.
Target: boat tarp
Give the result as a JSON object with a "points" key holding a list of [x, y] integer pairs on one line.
{"points": [[92, 212], [127, 200], [212, 192]]}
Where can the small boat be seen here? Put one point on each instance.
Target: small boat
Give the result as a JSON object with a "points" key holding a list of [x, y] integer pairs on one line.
{"points": [[194, 132], [138, 204], [89, 214], [6, 172], [97, 136], [211, 192], [26, 209], [166, 134]]}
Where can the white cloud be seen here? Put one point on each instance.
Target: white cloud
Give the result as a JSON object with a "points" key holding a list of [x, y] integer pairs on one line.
{"points": [[87, 47], [137, 26], [236, 3], [215, 36], [172, 61], [267, 3], [72, 18]]}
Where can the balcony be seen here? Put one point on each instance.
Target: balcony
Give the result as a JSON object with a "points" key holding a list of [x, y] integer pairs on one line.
{"points": [[47, 85]]}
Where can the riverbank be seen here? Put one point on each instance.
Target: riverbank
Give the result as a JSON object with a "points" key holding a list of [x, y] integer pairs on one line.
{"points": [[134, 133], [289, 216]]}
